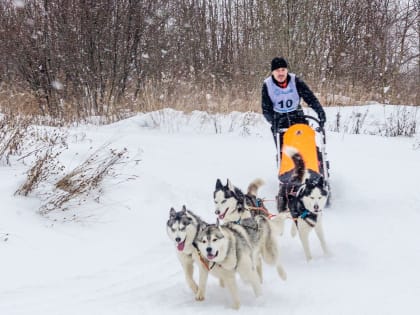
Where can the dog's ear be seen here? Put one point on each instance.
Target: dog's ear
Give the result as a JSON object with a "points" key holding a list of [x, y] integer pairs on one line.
{"points": [[172, 212], [229, 185], [309, 183], [184, 208], [321, 181], [219, 184]]}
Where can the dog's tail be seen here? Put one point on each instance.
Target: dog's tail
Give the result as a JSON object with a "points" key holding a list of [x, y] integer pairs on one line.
{"points": [[297, 158], [254, 186]]}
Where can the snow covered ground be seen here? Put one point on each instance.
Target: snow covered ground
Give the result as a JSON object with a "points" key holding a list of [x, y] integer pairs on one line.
{"points": [[114, 257]]}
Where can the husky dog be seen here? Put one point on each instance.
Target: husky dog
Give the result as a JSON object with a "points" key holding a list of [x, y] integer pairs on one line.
{"points": [[305, 194], [232, 206], [182, 228], [229, 248]]}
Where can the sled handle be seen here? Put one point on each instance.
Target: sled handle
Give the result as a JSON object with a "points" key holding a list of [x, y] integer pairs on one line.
{"points": [[319, 128], [324, 140]]}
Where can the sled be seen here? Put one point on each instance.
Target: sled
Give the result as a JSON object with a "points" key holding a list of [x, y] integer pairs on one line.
{"points": [[310, 141], [301, 137]]}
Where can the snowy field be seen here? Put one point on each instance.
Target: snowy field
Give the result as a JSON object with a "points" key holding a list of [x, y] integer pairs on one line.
{"points": [[113, 256]]}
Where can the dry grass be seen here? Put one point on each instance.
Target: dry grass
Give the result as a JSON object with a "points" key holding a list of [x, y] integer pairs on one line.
{"points": [[45, 167], [187, 97], [84, 180], [44, 148], [12, 134]]}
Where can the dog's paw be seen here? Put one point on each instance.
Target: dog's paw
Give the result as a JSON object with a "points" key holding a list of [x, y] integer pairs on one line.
{"points": [[199, 296], [236, 305], [282, 273]]}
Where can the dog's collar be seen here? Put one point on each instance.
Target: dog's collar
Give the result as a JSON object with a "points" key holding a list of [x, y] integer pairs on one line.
{"points": [[309, 217], [306, 215]]}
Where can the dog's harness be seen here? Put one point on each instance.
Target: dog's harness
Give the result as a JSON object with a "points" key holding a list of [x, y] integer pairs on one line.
{"points": [[303, 213], [254, 225], [309, 217], [258, 206]]}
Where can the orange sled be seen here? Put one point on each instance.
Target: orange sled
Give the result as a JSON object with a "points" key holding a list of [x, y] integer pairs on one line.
{"points": [[301, 137]]}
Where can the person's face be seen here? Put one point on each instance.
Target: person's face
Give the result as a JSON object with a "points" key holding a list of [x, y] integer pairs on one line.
{"points": [[280, 74]]}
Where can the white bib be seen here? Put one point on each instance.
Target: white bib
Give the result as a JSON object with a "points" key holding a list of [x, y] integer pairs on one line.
{"points": [[284, 100]]}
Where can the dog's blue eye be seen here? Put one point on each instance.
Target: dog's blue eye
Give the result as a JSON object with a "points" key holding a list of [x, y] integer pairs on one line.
{"points": [[224, 201]]}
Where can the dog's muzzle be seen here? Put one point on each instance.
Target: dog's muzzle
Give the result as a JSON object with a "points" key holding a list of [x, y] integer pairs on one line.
{"points": [[211, 256], [180, 245], [221, 216]]}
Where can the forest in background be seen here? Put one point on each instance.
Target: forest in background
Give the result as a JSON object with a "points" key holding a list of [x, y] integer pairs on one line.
{"points": [[77, 58]]}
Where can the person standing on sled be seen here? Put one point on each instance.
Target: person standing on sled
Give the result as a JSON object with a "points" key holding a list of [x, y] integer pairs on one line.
{"points": [[281, 94]]}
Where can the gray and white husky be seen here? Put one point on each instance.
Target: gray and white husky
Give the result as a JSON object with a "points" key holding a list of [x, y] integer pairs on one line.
{"points": [[189, 234], [229, 248], [233, 206], [182, 228], [305, 194]]}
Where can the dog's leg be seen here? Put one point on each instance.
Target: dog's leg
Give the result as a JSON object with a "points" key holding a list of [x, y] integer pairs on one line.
{"points": [[255, 283], [230, 283], [293, 229], [280, 270], [271, 254], [320, 233], [187, 264], [249, 274], [202, 283], [304, 229], [259, 268]]}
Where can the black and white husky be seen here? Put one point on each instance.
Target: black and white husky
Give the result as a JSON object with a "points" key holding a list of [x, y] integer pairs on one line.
{"points": [[247, 212], [304, 193], [232, 205]]}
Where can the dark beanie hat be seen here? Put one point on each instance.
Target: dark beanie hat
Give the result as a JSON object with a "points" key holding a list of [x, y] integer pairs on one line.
{"points": [[278, 62]]}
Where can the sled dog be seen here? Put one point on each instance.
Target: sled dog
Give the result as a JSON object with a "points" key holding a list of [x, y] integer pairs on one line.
{"points": [[182, 228], [232, 204], [229, 248], [233, 207], [304, 193]]}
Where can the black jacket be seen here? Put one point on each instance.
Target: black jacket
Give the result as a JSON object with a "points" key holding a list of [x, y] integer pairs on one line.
{"points": [[285, 120]]}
